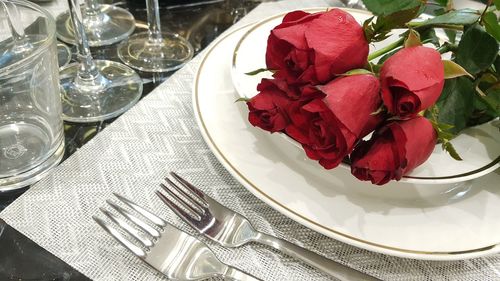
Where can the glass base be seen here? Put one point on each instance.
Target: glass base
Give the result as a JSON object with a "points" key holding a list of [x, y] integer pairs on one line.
{"points": [[111, 25], [17, 153], [169, 54], [116, 90]]}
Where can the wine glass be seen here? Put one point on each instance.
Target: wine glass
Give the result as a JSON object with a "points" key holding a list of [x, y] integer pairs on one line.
{"points": [[155, 51], [95, 90], [104, 24]]}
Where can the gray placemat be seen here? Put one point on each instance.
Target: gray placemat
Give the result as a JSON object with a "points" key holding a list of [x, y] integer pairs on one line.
{"points": [[132, 156]]}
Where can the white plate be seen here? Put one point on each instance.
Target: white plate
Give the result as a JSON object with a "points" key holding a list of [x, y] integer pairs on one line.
{"points": [[478, 146], [462, 222]]}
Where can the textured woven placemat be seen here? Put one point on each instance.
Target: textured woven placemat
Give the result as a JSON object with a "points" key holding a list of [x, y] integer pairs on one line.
{"points": [[133, 155]]}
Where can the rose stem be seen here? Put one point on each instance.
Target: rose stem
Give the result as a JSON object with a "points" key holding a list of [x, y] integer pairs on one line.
{"points": [[386, 49], [446, 47]]}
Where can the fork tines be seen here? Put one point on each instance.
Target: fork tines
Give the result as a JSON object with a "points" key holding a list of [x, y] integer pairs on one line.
{"points": [[144, 238], [191, 199]]}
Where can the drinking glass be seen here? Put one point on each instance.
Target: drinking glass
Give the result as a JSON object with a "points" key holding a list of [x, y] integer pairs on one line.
{"points": [[31, 128], [97, 90], [104, 24], [155, 51]]}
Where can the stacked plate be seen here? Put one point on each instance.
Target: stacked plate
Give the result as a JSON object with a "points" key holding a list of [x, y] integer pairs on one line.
{"points": [[444, 210]]}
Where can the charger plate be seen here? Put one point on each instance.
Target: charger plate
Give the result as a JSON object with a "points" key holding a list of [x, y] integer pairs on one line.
{"points": [[431, 222]]}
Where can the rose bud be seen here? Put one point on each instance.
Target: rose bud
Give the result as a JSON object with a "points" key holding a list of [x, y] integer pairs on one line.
{"points": [[394, 150], [328, 128], [412, 80], [267, 110], [314, 48]]}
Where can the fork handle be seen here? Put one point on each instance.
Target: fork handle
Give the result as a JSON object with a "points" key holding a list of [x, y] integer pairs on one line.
{"points": [[328, 266], [238, 275]]}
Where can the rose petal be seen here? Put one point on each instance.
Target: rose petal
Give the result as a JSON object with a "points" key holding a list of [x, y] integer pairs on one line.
{"points": [[421, 140], [417, 67], [295, 16], [353, 99]]}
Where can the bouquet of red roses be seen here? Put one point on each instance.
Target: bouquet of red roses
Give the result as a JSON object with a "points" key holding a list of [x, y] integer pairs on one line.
{"points": [[328, 94]]}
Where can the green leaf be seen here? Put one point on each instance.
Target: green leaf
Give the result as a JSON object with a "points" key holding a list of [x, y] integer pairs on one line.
{"points": [[456, 17], [439, 11], [477, 50], [443, 131], [428, 35], [413, 39], [378, 30], [497, 4], [451, 34], [492, 99], [486, 107], [357, 72], [489, 78], [491, 24], [443, 3], [244, 99], [257, 71], [455, 103], [387, 7], [399, 18], [453, 70], [448, 146]]}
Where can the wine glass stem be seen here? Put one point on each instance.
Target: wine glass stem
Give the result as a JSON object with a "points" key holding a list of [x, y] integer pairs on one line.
{"points": [[154, 21], [88, 70]]}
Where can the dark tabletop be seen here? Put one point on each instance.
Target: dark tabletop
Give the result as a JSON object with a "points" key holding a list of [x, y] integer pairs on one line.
{"points": [[199, 21]]}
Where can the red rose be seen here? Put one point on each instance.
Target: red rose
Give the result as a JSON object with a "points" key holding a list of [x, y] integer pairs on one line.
{"points": [[394, 150], [267, 110], [316, 128], [412, 80], [328, 128], [313, 48]]}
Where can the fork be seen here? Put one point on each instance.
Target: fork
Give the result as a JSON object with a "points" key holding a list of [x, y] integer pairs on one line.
{"points": [[231, 229], [176, 254]]}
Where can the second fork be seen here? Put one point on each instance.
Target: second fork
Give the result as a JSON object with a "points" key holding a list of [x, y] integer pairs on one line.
{"points": [[176, 254]]}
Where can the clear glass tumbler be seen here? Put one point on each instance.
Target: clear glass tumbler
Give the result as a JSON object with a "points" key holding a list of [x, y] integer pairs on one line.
{"points": [[31, 126]]}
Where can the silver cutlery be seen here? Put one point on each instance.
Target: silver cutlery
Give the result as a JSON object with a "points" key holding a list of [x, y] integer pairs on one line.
{"points": [[176, 254], [231, 229]]}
